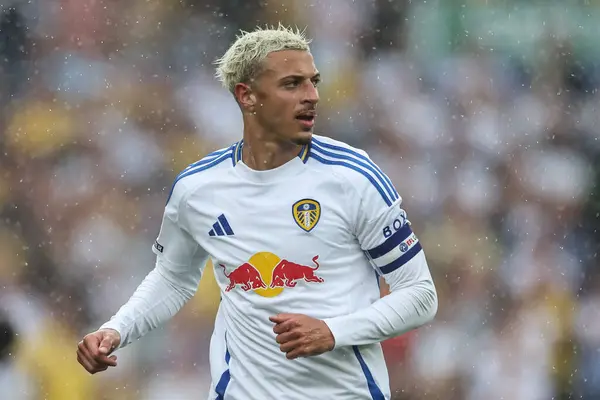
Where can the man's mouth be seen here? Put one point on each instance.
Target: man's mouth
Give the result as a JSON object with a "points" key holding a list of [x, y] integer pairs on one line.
{"points": [[307, 118]]}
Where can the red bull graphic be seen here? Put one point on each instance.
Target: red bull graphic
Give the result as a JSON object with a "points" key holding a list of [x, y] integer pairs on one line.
{"points": [[287, 273], [268, 275], [246, 275]]}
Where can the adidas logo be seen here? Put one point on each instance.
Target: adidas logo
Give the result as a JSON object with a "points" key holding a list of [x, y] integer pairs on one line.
{"points": [[221, 227]]}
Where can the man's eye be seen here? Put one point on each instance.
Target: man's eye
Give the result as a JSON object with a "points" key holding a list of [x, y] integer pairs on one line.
{"points": [[291, 84]]}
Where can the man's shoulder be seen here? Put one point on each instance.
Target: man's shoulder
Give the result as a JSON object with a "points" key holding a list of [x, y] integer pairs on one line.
{"points": [[325, 142], [344, 160], [204, 170], [211, 163], [338, 156], [354, 165]]}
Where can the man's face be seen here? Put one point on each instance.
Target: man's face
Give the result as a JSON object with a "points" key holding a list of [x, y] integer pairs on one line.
{"points": [[287, 96]]}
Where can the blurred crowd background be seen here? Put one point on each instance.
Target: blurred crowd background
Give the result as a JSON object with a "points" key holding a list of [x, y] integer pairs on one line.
{"points": [[485, 115]]}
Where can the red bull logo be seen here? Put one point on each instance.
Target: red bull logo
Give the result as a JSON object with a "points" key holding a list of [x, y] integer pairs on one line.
{"points": [[246, 275], [268, 275]]}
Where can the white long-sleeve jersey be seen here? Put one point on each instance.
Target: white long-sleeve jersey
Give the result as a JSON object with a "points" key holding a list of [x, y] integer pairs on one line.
{"points": [[312, 237]]}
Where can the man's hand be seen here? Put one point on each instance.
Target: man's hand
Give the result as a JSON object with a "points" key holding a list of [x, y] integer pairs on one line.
{"points": [[299, 335], [93, 351]]}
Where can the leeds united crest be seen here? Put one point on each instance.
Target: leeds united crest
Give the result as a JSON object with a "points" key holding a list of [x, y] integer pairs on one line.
{"points": [[307, 213]]}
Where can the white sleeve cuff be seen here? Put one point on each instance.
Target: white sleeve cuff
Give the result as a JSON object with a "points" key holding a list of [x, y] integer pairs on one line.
{"points": [[119, 327], [347, 329], [412, 303]]}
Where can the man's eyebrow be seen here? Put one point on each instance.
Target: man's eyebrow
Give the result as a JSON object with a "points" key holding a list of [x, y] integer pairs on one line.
{"points": [[300, 76]]}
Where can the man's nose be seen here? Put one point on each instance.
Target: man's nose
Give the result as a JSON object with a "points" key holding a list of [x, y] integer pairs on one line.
{"points": [[311, 94]]}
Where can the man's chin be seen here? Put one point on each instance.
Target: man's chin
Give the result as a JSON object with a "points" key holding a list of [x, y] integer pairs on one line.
{"points": [[303, 138]]}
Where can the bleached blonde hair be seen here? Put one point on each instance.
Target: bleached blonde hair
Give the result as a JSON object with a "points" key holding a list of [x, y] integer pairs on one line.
{"points": [[242, 61]]}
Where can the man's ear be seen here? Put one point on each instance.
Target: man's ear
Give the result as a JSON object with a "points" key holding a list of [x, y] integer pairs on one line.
{"points": [[245, 96]]}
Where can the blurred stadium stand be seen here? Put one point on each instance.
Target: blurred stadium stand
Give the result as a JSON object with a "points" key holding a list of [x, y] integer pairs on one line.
{"points": [[485, 114]]}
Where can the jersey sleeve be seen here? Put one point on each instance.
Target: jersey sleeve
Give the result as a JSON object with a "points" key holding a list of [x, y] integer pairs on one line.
{"points": [[386, 237], [383, 230], [174, 280], [174, 247]]}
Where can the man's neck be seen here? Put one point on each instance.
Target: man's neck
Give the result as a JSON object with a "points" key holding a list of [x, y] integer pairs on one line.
{"points": [[260, 154]]}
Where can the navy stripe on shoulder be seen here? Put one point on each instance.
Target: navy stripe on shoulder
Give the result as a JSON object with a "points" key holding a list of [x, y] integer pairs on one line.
{"points": [[360, 159], [205, 160], [357, 169], [202, 165], [372, 168]]}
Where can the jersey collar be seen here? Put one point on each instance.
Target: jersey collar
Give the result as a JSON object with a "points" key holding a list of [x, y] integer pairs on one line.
{"points": [[284, 172], [237, 152]]}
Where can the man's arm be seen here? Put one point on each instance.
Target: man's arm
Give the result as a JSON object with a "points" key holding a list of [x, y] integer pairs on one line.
{"points": [[174, 280], [412, 302], [159, 297], [395, 252]]}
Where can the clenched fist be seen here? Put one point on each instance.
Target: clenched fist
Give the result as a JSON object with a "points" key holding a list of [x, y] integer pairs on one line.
{"points": [[299, 335], [93, 352]]}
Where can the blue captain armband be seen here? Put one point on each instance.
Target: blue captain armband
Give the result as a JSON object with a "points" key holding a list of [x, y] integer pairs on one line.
{"points": [[397, 250]]}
